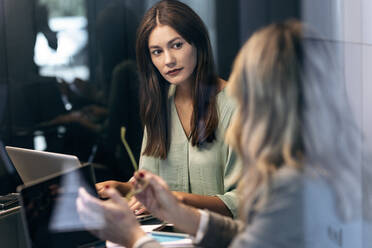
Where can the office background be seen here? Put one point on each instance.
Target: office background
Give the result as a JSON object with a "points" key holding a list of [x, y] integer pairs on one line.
{"points": [[31, 71]]}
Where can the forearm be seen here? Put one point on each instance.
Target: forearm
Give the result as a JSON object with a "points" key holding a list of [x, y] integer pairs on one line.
{"points": [[185, 218], [212, 203]]}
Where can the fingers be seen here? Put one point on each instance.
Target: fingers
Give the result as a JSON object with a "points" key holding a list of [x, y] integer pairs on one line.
{"points": [[132, 201], [135, 207], [110, 183], [102, 186], [102, 193], [156, 196], [153, 187], [114, 195], [85, 214], [121, 223], [90, 210], [140, 211], [142, 176], [141, 183], [140, 180], [117, 204], [113, 209], [132, 179], [88, 200]]}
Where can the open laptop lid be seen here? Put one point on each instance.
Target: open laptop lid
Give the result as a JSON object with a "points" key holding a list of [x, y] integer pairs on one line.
{"points": [[49, 210], [32, 165], [9, 178]]}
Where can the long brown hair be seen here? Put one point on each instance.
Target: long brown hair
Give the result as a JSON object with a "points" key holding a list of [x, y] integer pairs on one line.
{"points": [[154, 88]]}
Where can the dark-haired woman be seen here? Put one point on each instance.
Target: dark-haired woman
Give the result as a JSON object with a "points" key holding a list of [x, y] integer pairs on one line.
{"points": [[184, 109]]}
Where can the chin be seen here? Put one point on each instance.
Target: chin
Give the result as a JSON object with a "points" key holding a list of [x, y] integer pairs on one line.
{"points": [[175, 81]]}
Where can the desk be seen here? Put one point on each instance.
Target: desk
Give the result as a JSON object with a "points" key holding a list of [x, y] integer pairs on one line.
{"points": [[149, 226], [12, 234]]}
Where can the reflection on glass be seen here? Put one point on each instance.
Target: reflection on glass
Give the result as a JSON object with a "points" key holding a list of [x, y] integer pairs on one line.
{"points": [[66, 21], [50, 212]]}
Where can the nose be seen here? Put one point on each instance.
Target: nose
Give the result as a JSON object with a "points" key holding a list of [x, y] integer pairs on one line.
{"points": [[170, 59]]}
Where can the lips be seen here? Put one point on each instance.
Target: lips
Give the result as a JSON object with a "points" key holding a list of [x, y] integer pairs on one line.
{"points": [[174, 72]]}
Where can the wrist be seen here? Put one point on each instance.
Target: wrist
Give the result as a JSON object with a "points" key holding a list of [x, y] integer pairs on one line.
{"points": [[175, 209], [135, 236], [180, 196], [185, 218]]}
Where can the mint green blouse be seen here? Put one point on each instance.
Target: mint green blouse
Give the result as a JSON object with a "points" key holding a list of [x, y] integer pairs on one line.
{"points": [[205, 170]]}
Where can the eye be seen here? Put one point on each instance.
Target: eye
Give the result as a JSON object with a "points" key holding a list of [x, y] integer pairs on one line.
{"points": [[177, 45], [156, 52]]}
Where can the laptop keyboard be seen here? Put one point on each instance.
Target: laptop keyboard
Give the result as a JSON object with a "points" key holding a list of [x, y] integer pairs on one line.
{"points": [[9, 201]]}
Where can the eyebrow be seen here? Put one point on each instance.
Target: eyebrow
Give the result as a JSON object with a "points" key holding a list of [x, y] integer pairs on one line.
{"points": [[169, 42]]}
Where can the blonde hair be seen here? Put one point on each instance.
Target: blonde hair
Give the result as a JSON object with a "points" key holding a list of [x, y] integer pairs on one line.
{"points": [[289, 113]]}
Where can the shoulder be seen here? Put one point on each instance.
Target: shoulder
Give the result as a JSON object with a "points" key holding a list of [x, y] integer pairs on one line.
{"points": [[287, 177], [284, 193], [222, 83], [287, 184], [277, 205]]}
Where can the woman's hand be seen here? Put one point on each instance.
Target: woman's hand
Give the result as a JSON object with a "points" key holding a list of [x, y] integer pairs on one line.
{"points": [[136, 206], [155, 195], [122, 187], [120, 227], [101, 187]]}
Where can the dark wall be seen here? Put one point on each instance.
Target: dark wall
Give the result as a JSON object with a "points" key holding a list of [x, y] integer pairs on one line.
{"points": [[237, 20], [227, 35], [20, 39], [112, 31], [3, 70], [257, 14], [3, 73]]}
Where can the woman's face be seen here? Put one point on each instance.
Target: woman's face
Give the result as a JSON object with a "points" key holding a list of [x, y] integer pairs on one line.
{"points": [[172, 55]]}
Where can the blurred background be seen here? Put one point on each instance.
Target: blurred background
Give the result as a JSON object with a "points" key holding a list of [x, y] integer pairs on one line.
{"points": [[68, 79]]}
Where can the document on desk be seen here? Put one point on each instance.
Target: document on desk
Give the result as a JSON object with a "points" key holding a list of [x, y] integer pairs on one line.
{"points": [[165, 240], [150, 228]]}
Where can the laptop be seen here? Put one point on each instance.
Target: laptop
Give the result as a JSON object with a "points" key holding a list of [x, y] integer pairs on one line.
{"points": [[49, 211], [33, 165], [9, 178]]}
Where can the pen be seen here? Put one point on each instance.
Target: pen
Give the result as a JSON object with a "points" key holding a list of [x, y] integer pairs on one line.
{"points": [[126, 145], [144, 183], [134, 191]]}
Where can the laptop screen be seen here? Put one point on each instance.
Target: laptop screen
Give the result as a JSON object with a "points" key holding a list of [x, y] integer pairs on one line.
{"points": [[9, 178], [50, 212], [33, 165]]}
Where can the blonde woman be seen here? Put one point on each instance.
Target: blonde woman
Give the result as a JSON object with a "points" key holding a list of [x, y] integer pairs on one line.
{"points": [[299, 146]]}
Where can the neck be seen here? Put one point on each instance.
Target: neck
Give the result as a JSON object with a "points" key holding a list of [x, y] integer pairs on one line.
{"points": [[183, 91]]}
